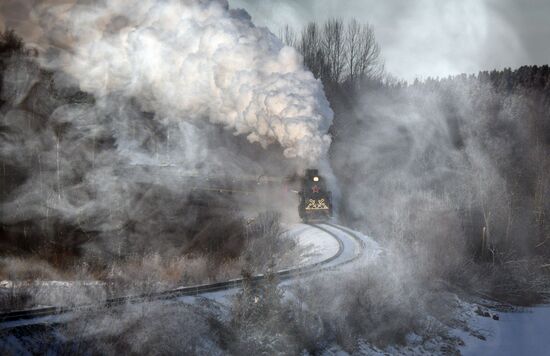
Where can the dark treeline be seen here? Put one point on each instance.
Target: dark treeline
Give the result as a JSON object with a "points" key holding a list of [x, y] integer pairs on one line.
{"points": [[454, 170], [531, 78]]}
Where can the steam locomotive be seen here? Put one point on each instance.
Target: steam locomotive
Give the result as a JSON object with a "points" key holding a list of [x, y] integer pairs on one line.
{"points": [[315, 199]]}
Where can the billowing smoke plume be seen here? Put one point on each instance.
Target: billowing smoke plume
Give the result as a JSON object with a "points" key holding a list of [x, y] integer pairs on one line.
{"points": [[193, 60], [141, 102]]}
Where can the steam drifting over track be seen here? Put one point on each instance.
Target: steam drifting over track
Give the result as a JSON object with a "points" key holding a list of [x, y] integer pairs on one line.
{"points": [[351, 246]]}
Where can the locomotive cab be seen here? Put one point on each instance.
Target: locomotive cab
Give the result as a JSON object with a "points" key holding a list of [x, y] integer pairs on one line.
{"points": [[315, 198]]}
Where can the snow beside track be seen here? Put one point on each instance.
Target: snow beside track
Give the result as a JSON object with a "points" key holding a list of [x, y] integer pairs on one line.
{"points": [[316, 245], [370, 249], [516, 333], [52, 283], [321, 246]]}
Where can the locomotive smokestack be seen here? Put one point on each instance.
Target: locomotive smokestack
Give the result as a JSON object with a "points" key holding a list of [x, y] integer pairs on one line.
{"points": [[311, 173]]}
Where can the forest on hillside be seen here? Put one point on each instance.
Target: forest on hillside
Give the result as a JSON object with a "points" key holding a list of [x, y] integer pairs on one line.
{"points": [[454, 170]]}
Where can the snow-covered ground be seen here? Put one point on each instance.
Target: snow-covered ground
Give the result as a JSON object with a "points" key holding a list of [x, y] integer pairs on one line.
{"points": [[370, 249], [316, 244], [53, 283], [525, 332], [54, 292]]}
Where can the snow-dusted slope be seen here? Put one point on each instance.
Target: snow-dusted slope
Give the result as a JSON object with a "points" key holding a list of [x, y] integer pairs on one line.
{"points": [[316, 244], [328, 246], [516, 333], [332, 246]]}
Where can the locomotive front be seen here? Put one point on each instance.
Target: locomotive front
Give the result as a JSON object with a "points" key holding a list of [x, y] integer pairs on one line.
{"points": [[315, 199]]}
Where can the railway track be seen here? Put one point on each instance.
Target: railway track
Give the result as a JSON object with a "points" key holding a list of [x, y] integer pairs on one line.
{"points": [[345, 238]]}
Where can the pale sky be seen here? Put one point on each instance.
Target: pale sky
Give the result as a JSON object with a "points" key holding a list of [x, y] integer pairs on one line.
{"points": [[421, 38]]}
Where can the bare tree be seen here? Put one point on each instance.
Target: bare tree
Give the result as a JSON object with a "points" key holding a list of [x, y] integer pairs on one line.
{"points": [[337, 52], [368, 62], [353, 33], [310, 47], [334, 49]]}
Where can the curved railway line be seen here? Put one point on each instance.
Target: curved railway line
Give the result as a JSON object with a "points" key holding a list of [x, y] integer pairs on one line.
{"points": [[342, 257]]}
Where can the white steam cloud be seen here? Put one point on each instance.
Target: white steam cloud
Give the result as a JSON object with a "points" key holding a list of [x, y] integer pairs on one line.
{"points": [[114, 165], [192, 60]]}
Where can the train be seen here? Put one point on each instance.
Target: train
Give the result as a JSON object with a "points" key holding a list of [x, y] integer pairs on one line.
{"points": [[315, 198]]}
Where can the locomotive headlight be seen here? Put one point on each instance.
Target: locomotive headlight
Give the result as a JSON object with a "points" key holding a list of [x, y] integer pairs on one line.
{"points": [[315, 179]]}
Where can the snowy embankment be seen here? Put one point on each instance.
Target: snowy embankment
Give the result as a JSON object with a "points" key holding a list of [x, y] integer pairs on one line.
{"points": [[54, 292], [317, 245], [521, 332], [524, 332], [39, 283], [314, 245]]}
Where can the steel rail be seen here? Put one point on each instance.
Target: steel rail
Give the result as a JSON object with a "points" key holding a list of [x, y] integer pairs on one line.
{"points": [[284, 274]]}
